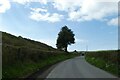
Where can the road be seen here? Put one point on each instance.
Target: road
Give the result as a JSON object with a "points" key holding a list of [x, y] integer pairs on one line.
{"points": [[77, 68]]}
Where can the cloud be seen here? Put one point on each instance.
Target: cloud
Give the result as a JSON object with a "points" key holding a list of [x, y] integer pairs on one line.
{"points": [[4, 6], [37, 10], [39, 14], [93, 11], [22, 1], [113, 22], [43, 1], [29, 1], [77, 10], [66, 5]]}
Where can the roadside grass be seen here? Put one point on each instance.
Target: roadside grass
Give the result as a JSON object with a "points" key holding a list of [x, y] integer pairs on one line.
{"points": [[24, 69], [102, 64], [21, 56]]}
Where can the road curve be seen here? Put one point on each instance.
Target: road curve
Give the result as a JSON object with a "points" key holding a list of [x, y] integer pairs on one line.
{"points": [[78, 68]]}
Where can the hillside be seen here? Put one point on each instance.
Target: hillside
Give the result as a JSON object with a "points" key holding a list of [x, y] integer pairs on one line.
{"points": [[9, 39], [21, 57]]}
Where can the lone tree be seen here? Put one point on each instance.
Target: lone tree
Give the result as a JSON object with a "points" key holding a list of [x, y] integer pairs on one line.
{"points": [[65, 38]]}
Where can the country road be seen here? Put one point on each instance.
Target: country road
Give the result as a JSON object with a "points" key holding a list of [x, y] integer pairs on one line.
{"points": [[77, 68]]}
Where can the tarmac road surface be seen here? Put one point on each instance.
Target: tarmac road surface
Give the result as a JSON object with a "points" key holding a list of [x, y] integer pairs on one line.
{"points": [[78, 68]]}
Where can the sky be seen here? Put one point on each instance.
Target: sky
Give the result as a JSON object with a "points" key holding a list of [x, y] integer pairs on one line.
{"points": [[94, 22]]}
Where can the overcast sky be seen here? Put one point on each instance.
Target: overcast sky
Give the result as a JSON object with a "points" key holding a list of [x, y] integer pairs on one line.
{"points": [[94, 22]]}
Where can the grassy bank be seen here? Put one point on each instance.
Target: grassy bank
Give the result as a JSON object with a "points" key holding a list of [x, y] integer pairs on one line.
{"points": [[25, 68], [106, 60], [22, 57]]}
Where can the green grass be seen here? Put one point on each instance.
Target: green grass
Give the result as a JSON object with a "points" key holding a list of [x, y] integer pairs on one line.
{"points": [[8, 39], [28, 60], [23, 69], [22, 57], [102, 64], [107, 60]]}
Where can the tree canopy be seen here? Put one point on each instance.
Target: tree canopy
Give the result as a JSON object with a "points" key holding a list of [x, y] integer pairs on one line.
{"points": [[65, 38]]}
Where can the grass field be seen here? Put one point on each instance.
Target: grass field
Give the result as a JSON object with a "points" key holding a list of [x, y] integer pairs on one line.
{"points": [[22, 57]]}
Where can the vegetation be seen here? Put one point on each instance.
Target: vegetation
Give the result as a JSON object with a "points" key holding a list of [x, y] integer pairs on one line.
{"points": [[22, 57], [65, 38], [9, 39], [106, 60]]}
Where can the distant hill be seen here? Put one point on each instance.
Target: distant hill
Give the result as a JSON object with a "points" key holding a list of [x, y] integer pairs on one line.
{"points": [[19, 41]]}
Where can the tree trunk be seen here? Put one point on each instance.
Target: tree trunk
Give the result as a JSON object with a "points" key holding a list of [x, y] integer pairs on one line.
{"points": [[66, 48]]}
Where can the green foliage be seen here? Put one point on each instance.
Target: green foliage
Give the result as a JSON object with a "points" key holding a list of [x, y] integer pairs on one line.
{"points": [[21, 56], [106, 60], [65, 38]]}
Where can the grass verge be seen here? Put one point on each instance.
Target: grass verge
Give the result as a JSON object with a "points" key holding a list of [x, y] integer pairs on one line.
{"points": [[102, 64], [23, 69]]}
